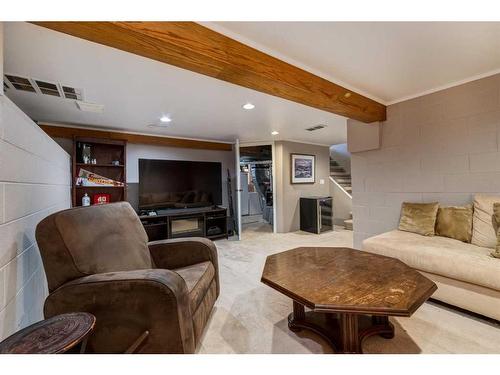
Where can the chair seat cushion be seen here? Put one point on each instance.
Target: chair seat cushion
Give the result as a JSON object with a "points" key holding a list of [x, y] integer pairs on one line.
{"points": [[439, 255], [198, 278]]}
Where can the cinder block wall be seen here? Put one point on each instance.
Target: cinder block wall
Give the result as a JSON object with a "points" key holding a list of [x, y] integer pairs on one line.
{"points": [[34, 182], [439, 147]]}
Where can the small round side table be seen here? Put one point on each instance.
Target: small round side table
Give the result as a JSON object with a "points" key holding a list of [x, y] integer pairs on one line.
{"points": [[55, 335]]}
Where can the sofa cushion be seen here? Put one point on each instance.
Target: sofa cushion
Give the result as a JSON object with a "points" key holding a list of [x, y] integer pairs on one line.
{"points": [[483, 233], [418, 218], [455, 222], [198, 278], [439, 255]]}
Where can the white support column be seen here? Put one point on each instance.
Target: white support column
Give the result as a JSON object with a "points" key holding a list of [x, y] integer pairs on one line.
{"points": [[275, 195], [238, 186]]}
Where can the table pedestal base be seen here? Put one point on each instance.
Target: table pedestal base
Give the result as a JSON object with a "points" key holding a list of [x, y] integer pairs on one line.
{"points": [[344, 332]]}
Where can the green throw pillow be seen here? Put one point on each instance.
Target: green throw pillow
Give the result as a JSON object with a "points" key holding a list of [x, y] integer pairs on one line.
{"points": [[455, 222], [418, 218]]}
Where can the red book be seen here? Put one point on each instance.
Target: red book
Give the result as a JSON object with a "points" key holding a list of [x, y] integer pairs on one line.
{"points": [[101, 198]]}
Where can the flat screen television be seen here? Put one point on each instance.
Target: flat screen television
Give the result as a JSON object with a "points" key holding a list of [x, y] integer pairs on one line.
{"points": [[179, 184]]}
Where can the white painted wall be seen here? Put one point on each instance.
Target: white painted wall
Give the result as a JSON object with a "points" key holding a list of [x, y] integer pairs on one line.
{"points": [[439, 147], [34, 182]]}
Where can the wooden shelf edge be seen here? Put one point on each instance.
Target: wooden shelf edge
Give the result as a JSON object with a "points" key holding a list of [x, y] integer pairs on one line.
{"points": [[100, 187], [100, 165]]}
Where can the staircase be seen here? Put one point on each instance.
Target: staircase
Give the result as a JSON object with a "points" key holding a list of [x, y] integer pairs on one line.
{"points": [[343, 179], [340, 176]]}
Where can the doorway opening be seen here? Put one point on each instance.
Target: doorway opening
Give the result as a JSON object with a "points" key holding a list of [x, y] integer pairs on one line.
{"points": [[256, 178]]}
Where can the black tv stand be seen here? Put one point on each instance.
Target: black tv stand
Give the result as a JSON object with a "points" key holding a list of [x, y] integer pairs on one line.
{"points": [[209, 222]]}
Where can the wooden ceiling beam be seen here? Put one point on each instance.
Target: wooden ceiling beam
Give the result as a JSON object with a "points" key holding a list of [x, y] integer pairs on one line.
{"points": [[191, 46], [60, 131]]}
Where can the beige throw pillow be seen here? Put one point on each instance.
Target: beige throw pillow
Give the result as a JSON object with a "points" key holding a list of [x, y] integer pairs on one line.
{"points": [[455, 222], [496, 226], [483, 233], [418, 218]]}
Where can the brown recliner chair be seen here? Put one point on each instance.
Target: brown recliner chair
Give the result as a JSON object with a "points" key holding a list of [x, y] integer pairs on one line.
{"points": [[97, 259]]}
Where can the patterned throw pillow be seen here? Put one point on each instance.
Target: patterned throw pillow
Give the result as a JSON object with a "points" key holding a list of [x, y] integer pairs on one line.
{"points": [[496, 225], [418, 218], [455, 222]]}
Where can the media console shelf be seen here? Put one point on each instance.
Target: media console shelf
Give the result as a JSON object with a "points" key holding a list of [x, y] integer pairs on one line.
{"points": [[209, 222]]}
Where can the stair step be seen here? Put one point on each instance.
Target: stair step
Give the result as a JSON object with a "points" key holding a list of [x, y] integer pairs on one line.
{"points": [[348, 224], [337, 169], [340, 174], [343, 180]]}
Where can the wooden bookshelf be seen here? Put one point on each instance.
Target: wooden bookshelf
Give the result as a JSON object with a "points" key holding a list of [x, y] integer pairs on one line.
{"points": [[104, 151]]}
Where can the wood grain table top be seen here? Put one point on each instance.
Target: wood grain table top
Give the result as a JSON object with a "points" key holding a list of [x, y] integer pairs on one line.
{"points": [[334, 279], [51, 336]]}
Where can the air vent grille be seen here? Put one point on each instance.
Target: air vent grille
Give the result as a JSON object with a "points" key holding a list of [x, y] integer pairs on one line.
{"points": [[72, 93], [317, 127], [42, 87], [47, 88], [20, 83]]}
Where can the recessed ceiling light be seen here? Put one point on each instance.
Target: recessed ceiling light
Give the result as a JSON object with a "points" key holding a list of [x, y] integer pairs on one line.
{"points": [[248, 106], [274, 132], [165, 119], [347, 95]]}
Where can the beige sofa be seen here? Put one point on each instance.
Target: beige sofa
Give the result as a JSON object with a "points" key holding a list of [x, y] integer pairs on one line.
{"points": [[466, 275]]}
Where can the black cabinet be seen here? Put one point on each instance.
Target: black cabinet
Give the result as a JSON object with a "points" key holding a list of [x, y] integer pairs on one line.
{"points": [[316, 214]]}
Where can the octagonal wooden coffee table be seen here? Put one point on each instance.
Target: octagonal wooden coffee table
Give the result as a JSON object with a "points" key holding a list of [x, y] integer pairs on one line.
{"points": [[351, 293]]}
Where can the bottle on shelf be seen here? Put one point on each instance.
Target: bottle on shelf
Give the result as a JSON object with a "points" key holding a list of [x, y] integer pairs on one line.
{"points": [[86, 200]]}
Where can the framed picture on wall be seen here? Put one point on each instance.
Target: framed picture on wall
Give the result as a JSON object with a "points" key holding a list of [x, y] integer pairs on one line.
{"points": [[303, 169]]}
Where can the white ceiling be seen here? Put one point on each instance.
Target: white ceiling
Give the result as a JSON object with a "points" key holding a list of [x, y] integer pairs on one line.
{"points": [[387, 61], [137, 91]]}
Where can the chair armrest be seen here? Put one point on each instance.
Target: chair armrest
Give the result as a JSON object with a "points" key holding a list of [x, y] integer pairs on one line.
{"points": [[182, 252], [128, 303]]}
